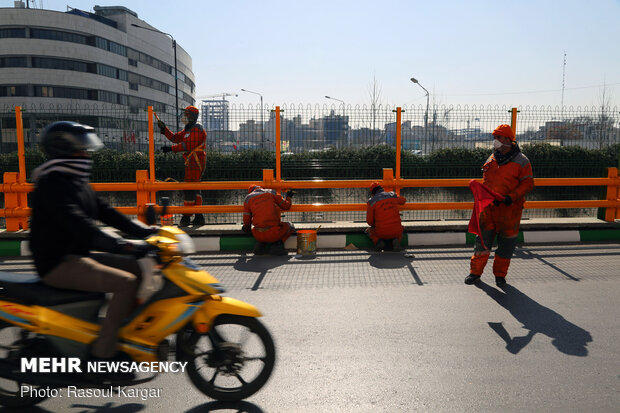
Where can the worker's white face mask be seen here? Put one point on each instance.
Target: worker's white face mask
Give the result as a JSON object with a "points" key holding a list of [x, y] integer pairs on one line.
{"points": [[497, 145]]}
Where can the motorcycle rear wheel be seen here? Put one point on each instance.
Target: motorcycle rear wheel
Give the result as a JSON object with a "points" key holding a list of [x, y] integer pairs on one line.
{"points": [[13, 346], [230, 362]]}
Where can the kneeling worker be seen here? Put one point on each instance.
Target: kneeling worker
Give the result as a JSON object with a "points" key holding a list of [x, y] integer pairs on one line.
{"points": [[262, 207], [383, 216]]}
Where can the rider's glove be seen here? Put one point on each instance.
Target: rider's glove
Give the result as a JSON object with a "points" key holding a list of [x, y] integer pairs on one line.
{"points": [[147, 231], [138, 249], [166, 149], [246, 228], [290, 193]]}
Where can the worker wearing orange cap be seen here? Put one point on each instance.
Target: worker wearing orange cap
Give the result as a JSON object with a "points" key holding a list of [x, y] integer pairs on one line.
{"points": [[191, 141], [262, 207], [383, 216], [508, 172]]}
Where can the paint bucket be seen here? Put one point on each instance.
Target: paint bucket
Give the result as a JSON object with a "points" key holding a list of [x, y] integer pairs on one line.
{"points": [[306, 242]]}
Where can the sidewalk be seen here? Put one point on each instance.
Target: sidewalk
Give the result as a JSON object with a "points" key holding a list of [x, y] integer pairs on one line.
{"points": [[339, 235]]}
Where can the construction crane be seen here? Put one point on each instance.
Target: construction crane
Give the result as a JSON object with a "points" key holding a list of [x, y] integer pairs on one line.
{"points": [[223, 95]]}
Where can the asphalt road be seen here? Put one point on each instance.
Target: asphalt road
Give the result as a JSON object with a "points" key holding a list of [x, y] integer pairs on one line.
{"points": [[363, 332]]}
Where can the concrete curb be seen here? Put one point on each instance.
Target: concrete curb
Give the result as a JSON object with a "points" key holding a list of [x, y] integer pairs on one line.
{"points": [[19, 247]]}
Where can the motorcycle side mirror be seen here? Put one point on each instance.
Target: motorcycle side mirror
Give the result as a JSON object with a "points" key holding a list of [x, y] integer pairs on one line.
{"points": [[150, 215]]}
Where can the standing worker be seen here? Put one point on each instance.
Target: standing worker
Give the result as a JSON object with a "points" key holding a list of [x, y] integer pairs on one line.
{"points": [[509, 173], [383, 216], [262, 207], [191, 141]]}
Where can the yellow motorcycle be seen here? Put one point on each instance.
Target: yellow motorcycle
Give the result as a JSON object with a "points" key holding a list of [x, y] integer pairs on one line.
{"points": [[229, 352]]}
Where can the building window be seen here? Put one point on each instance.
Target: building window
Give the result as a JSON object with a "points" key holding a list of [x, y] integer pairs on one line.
{"points": [[106, 70], [44, 91], [117, 48], [14, 90], [101, 43], [58, 35], [62, 64], [14, 61], [12, 32]]}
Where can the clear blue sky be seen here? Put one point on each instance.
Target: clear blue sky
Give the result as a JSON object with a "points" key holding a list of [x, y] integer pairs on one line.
{"points": [[464, 52]]}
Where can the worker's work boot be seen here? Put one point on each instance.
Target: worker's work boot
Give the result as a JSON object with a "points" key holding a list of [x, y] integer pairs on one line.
{"points": [[199, 220], [380, 245], [472, 279], [395, 244], [277, 248], [185, 221], [260, 248]]}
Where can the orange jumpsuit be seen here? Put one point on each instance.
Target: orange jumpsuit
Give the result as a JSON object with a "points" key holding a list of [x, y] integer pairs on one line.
{"points": [[513, 178], [262, 207], [192, 143], [383, 216]]}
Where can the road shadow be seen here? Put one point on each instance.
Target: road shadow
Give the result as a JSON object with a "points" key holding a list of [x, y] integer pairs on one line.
{"points": [[233, 407], [395, 260], [260, 264], [567, 337], [84, 408]]}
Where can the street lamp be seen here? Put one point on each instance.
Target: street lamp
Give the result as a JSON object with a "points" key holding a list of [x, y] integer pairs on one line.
{"points": [[414, 80], [343, 115], [262, 124], [176, 77]]}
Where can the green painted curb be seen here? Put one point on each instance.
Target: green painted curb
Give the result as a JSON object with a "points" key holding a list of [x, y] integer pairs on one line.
{"points": [[470, 239], [10, 248], [236, 243], [600, 235], [360, 240]]}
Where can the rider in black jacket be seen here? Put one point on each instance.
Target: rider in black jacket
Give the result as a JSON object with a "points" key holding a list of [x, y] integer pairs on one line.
{"points": [[64, 231]]}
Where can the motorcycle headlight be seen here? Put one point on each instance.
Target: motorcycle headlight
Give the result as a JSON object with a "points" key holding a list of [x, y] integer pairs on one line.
{"points": [[186, 244]]}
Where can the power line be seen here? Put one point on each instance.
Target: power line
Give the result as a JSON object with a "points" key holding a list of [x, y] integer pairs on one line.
{"points": [[535, 91]]}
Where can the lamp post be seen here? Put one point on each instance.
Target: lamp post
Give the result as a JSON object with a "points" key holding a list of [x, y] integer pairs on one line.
{"points": [[414, 80], [343, 115], [176, 77], [262, 123]]}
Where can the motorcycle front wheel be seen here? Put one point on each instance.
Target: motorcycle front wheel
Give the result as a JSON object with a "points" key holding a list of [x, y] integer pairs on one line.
{"points": [[230, 362], [14, 344]]}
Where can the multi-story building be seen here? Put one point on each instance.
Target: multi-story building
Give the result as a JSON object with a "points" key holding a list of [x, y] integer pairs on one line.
{"points": [[97, 68]]}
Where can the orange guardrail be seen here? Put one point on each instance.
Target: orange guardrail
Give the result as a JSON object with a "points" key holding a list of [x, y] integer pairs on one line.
{"points": [[16, 210]]}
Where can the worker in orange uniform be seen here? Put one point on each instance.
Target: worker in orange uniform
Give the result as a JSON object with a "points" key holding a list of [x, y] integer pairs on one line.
{"points": [[191, 141], [509, 173], [262, 207], [383, 216]]}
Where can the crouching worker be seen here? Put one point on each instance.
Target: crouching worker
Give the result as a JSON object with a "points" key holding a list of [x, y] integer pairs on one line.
{"points": [[383, 216], [262, 208], [64, 232]]}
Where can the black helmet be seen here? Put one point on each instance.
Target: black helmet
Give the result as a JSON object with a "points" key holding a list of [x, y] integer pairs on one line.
{"points": [[62, 139]]}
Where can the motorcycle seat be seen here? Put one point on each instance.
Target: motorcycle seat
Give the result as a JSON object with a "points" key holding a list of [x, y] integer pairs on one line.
{"points": [[29, 289]]}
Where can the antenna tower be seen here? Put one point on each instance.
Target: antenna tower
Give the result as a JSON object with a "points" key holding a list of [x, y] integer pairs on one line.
{"points": [[563, 79]]}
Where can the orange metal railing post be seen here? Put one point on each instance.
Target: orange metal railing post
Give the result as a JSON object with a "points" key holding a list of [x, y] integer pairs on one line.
{"points": [[11, 202], [267, 177], [151, 153], [278, 143], [513, 121], [22, 197], [388, 179], [142, 195], [398, 144], [613, 194]]}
